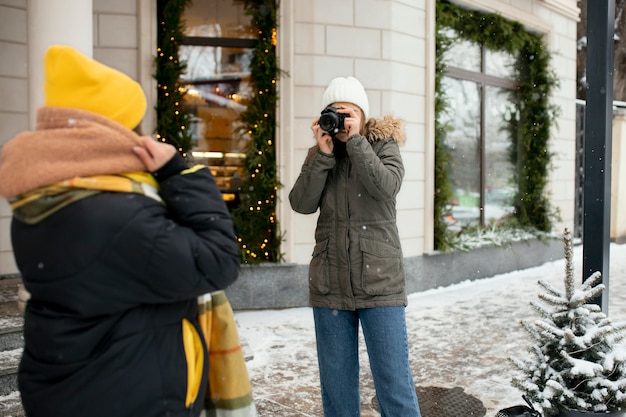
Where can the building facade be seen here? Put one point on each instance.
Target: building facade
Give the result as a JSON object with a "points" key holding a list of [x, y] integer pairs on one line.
{"points": [[388, 44]]}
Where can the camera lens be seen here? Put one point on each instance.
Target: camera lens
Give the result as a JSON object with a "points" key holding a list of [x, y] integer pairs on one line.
{"points": [[331, 121], [328, 122]]}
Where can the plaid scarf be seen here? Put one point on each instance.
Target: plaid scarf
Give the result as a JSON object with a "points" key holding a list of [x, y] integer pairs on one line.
{"points": [[36, 205], [229, 393]]}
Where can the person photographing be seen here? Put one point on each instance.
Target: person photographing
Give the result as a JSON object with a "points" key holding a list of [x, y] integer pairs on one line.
{"points": [[352, 175]]}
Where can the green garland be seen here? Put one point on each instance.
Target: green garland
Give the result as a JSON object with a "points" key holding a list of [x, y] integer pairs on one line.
{"points": [[530, 133], [172, 122], [443, 158], [255, 219]]}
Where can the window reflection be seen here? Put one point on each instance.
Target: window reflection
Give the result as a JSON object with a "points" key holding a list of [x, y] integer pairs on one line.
{"points": [[500, 64], [499, 172], [478, 115], [217, 78], [463, 141], [462, 53]]}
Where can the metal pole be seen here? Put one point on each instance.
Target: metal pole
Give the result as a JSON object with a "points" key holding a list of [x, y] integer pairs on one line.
{"points": [[598, 142]]}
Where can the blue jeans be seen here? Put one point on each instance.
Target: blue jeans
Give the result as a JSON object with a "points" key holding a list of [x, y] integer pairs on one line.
{"points": [[384, 331]]}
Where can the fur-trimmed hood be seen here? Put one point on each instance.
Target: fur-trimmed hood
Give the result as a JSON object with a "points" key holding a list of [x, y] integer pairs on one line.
{"points": [[388, 127]]}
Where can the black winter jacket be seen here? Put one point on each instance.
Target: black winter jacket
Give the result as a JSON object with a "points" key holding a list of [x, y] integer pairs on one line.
{"points": [[111, 278]]}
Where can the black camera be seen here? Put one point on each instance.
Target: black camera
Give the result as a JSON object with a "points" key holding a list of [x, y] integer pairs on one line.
{"points": [[331, 120]]}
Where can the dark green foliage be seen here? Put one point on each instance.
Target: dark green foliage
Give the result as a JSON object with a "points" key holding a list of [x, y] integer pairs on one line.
{"points": [[255, 219], [530, 132], [443, 187], [172, 122]]}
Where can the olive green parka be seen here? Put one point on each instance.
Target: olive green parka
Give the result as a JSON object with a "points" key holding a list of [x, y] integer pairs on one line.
{"points": [[357, 260]]}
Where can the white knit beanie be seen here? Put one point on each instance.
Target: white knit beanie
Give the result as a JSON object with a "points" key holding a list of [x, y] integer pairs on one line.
{"points": [[347, 90]]}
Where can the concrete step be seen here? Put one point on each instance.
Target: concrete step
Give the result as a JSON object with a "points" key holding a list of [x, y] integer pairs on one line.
{"points": [[11, 406], [11, 346], [9, 361], [10, 403], [11, 342]]}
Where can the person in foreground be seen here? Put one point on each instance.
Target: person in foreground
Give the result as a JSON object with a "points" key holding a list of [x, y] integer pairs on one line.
{"points": [[356, 274], [115, 238]]}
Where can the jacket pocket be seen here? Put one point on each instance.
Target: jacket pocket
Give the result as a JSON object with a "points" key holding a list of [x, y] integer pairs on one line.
{"points": [[382, 272], [194, 354], [319, 269]]}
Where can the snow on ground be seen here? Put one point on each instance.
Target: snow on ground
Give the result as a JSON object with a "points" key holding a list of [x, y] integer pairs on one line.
{"points": [[459, 336]]}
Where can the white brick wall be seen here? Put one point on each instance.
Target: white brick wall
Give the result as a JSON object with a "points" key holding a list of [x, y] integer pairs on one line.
{"points": [[7, 261], [116, 35], [14, 102]]}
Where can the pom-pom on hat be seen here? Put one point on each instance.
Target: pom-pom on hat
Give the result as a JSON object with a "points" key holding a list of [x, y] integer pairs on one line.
{"points": [[347, 90], [74, 80]]}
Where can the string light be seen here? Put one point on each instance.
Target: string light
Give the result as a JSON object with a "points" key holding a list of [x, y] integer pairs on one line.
{"points": [[172, 120], [255, 220]]}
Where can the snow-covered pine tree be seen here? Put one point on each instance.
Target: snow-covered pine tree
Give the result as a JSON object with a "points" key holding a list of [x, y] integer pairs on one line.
{"points": [[578, 360]]}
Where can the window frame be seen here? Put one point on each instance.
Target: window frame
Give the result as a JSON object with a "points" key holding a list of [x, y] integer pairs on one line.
{"points": [[483, 80]]}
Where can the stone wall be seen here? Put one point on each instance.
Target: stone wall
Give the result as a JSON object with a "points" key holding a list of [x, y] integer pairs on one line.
{"points": [[14, 102], [286, 285]]}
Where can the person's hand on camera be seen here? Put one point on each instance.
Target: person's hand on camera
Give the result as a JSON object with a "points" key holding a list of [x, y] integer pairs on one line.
{"points": [[154, 154], [352, 122], [324, 140]]}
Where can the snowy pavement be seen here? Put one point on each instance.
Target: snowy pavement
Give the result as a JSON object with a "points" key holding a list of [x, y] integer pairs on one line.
{"points": [[460, 337]]}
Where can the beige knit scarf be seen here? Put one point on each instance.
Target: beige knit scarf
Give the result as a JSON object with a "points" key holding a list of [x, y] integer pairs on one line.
{"points": [[67, 143]]}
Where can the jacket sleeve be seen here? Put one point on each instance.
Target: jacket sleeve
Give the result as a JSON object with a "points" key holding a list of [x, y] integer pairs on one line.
{"points": [[307, 191], [379, 167], [193, 249]]}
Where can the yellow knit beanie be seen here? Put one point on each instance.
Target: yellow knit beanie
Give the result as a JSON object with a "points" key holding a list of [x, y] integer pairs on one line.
{"points": [[74, 80]]}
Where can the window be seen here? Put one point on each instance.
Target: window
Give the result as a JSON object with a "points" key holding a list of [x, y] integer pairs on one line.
{"points": [[218, 48], [477, 83]]}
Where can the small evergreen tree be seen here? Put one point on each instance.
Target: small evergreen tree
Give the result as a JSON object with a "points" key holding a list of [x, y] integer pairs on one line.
{"points": [[577, 361]]}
